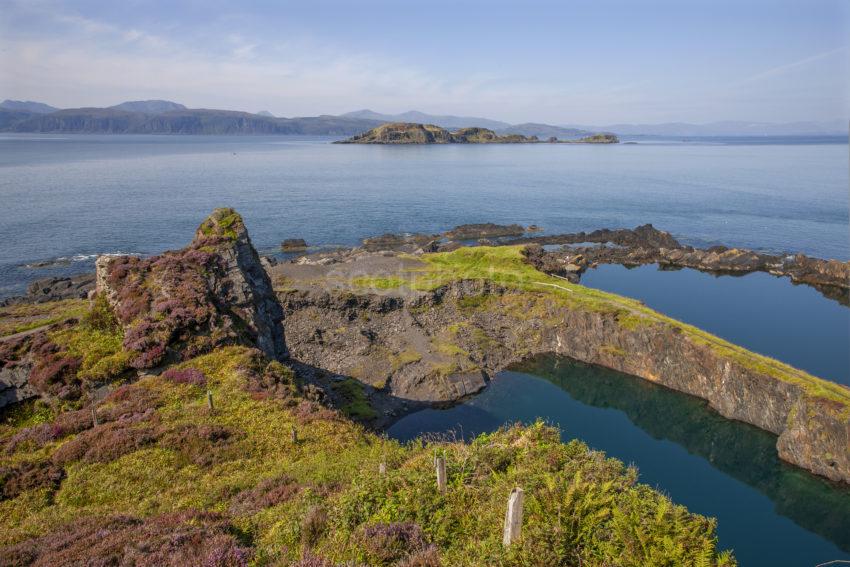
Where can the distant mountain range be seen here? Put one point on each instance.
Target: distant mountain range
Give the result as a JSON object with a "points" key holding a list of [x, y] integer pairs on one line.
{"points": [[27, 106], [149, 106], [166, 117], [417, 117]]}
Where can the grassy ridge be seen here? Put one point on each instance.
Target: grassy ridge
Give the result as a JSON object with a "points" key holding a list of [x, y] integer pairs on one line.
{"points": [[322, 495]]}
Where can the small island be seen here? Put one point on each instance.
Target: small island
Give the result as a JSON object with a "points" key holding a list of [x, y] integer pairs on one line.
{"points": [[413, 133]]}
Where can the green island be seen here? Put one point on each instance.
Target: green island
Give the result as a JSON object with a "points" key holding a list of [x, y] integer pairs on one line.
{"points": [[413, 133], [184, 414]]}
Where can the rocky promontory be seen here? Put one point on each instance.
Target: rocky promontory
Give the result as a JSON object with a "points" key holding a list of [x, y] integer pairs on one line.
{"points": [[167, 431], [413, 133], [434, 329], [148, 312]]}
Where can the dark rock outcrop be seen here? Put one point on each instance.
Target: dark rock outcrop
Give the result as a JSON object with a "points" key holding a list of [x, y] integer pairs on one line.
{"points": [[648, 245], [53, 289], [293, 245], [180, 304], [484, 230], [14, 384], [400, 242]]}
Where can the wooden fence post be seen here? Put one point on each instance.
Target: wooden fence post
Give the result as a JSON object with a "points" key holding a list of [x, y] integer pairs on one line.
{"points": [[513, 518], [382, 468], [94, 417], [441, 474], [294, 435], [210, 401]]}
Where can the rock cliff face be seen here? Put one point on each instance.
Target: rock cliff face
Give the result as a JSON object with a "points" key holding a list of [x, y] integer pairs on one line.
{"points": [[441, 346], [180, 304], [157, 310], [14, 385]]}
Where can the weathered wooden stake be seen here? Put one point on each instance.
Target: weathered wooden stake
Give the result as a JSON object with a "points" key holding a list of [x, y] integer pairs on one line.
{"points": [[382, 468], [94, 417], [294, 434], [210, 400], [513, 518], [441, 474]]}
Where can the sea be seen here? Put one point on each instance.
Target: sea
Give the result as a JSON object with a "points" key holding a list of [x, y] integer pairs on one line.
{"points": [[67, 198]]}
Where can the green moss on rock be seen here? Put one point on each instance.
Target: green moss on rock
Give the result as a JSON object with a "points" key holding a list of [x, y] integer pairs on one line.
{"points": [[222, 223]]}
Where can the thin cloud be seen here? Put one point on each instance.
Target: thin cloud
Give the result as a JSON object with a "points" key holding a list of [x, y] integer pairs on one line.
{"points": [[783, 69]]}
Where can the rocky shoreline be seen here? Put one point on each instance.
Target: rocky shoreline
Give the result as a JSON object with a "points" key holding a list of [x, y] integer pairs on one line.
{"points": [[387, 332], [578, 252], [648, 245]]}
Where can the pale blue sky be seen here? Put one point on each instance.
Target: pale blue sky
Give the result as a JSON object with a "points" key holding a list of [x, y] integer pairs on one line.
{"points": [[580, 61]]}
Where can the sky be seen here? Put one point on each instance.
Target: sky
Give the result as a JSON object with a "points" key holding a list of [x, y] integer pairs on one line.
{"points": [[561, 62]]}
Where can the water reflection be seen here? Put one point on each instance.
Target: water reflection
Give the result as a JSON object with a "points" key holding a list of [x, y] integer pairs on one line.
{"points": [[738, 449], [768, 512]]}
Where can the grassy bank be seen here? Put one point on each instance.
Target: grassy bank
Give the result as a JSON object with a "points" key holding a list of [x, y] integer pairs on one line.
{"points": [[162, 458]]}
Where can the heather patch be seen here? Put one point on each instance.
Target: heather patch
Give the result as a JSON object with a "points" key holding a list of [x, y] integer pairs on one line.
{"points": [[386, 544], [202, 445], [70, 358], [190, 376], [106, 442], [166, 305], [266, 494], [177, 539], [16, 479]]}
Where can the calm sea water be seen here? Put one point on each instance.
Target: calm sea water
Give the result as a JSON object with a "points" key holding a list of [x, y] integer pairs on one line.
{"points": [[72, 197], [76, 196]]}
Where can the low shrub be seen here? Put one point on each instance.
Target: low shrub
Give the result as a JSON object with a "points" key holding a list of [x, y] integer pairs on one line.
{"points": [[176, 539], [386, 544], [266, 494], [203, 445], [27, 476], [106, 442], [313, 526], [185, 376]]}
